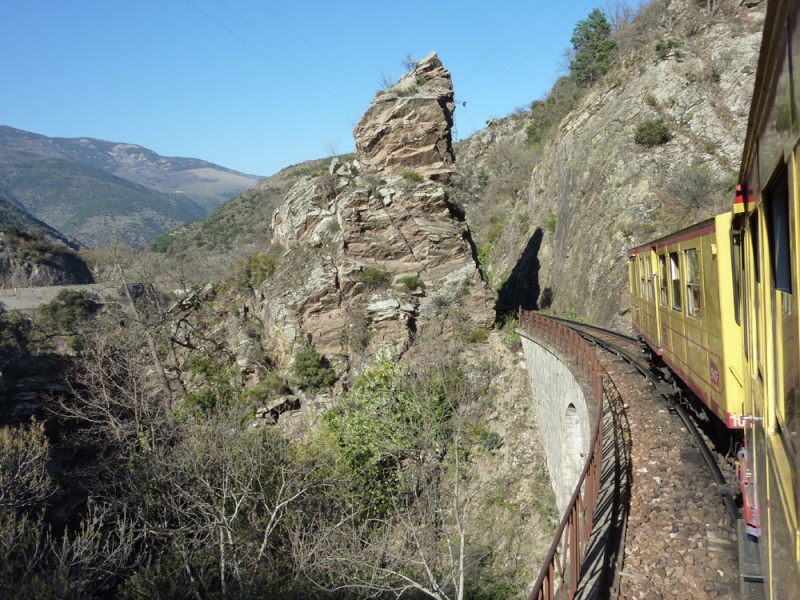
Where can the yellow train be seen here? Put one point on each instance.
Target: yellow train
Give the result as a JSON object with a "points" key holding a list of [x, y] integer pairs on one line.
{"points": [[718, 301]]}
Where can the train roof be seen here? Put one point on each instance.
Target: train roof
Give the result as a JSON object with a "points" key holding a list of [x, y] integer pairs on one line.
{"points": [[699, 229]]}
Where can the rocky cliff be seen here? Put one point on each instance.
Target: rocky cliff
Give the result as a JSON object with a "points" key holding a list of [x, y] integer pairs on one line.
{"points": [[30, 259], [593, 191], [370, 256]]}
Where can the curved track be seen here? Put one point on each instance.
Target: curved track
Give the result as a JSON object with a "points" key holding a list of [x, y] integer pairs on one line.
{"points": [[614, 342]]}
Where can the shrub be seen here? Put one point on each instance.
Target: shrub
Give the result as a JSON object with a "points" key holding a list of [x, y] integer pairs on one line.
{"points": [[477, 336], [311, 370], [410, 282], [508, 333], [665, 48], [490, 440], [550, 222], [391, 415], [651, 132], [68, 311], [373, 278], [261, 265], [412, 176], [693, 185]]}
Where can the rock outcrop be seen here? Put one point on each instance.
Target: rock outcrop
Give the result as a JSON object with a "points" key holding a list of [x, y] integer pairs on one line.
{"points": [[34, 261], [373, 264], [374, 256], [407, 127]]}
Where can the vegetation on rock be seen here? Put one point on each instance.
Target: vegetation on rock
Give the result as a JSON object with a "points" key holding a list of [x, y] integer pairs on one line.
{"points": [[651, 132]]}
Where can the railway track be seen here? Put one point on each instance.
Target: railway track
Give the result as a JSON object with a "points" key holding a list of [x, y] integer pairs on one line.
{"points": [[629, 349], [680, 537]]}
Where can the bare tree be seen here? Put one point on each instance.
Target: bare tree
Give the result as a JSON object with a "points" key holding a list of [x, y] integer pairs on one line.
{"points": [[421, 543], [620, 14]]}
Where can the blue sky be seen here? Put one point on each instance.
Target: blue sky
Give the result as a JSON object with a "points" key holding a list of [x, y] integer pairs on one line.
{"points": [[258, 85]]}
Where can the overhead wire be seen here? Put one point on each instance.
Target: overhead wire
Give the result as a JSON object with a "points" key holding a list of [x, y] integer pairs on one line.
{"points": [[282, 48], [267, 56], [483, 82], [314, 48]]}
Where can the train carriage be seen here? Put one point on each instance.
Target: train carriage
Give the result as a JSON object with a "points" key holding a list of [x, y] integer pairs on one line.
{"points": [[766, 226], [683, 307], [718, 302]]}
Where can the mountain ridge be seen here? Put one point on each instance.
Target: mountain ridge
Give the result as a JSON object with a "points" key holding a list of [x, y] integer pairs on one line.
{"points": [[138, 191]]}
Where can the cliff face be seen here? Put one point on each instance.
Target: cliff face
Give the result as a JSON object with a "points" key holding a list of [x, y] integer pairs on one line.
{"points": [[373, 263], [593, 191]]}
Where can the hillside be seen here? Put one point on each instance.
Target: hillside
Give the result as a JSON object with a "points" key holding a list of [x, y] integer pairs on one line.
{"points": [[94, 189], [12, 215], [205, 250], [555, 195]]}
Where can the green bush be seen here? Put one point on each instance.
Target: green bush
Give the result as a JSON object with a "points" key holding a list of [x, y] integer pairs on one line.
{"points": [[390, 416], [373, 278], [410, 282], [508, 333], [477, 336], [311, 370], [262, 265], [490, 440], [67, 311], [665, 48], [412, 176], [651, 132]]}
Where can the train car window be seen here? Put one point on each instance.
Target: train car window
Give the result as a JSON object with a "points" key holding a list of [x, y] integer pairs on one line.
{"points": [[693, 283], [643, 277], [756, 247], [632, 276], [650, 280], [675, 275], [662, 279], [736, 264], [778, 232]]}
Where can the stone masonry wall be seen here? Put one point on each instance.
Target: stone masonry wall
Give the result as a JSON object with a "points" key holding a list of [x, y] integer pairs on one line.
{"points": [[564, 414]]}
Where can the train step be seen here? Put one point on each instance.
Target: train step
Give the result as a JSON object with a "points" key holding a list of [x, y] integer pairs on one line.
{"points": [[751, 575]]}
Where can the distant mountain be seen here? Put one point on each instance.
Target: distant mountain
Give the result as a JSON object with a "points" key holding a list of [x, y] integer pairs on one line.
{"points": [[93, 189]]}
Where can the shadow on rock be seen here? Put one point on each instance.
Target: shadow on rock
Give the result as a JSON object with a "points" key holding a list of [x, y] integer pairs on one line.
{"points": [[522, 287]]}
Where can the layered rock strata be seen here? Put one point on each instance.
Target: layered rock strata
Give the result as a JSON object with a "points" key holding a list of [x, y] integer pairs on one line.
{"points": [[407, 127]]}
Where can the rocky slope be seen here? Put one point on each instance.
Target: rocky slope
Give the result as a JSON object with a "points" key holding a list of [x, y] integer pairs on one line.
{"points": [[593, 191], [30, 259]]}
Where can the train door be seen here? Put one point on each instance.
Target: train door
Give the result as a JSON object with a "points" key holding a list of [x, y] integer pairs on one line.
{"points": [[648, 291], [757, 426]]}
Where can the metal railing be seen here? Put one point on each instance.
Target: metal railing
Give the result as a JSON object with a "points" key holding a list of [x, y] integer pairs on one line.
{"points": [[560, 575]]}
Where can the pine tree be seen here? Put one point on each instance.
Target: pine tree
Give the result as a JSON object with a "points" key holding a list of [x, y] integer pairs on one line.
{"points": [[594, 48]]}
